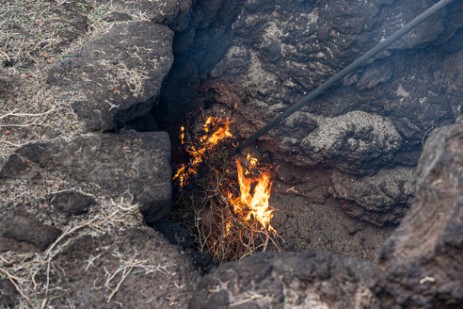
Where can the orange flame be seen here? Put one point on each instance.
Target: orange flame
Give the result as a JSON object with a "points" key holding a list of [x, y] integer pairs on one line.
{"points": [[232, 225], [253, 201], [206, 142], [182, 135]]}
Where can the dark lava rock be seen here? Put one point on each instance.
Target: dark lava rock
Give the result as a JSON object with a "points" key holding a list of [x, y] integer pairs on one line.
{"points": [[282, 50], [377, 117], [423, 259], [288, 280], [380, 199], [71, 202], [174, 14], [180, 236], [197, 49], [102, 164], [22, 227], [156, 274], [355, 142], [129, 61], [8, 294]]}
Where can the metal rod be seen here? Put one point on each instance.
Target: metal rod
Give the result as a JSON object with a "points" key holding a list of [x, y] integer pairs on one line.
{"points": [[351, 67]]}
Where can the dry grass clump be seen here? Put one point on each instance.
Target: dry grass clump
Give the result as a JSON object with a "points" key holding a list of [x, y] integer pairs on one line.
{"points": [[220, 229], [34, 275], [121, 75]]}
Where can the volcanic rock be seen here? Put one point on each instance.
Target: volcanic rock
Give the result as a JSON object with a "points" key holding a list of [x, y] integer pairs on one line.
{"points": [[280, 52], [352, 142], [288, 280], [71, 202], [379, 199], [8, 294], [109, 164], [129, 61], [24, 228], [157, 274], [377, 117], [422, 260]]}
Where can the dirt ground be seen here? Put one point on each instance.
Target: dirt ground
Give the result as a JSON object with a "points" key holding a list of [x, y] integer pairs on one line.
{"points": [[307, 225], [307, 216]]}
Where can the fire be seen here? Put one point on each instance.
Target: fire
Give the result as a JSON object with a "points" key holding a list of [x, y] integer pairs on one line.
{"points": [[206, 142], [253, 201], [182, 135], [232, 212]]}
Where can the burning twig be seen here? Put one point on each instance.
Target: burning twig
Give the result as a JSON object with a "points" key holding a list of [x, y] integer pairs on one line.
{"points": [[231, 208]]}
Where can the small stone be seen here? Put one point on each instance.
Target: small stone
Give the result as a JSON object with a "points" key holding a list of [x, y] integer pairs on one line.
{"points": [[23, 228], [71, 202]]}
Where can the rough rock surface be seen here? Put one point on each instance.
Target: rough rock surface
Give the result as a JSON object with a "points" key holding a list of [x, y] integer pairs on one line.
{"points": [[24, 228], [71, 229], [197, 49], [279, 59], [71, 202], [157, 274], [137, 163], [378, 116], [353, 141], [288, 280], [129, 61], [423, 259], [8, 294], [174, 14], [380, 199]]}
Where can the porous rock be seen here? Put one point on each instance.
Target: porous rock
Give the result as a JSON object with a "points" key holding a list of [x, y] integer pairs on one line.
{"points": [[102, 164], [282, 50], [376, 118], [157, 274], [8, 294], [422, 260], [24, 228], [71, 202], [129, 61], [353, 142], [380, 199], [288, 280]]}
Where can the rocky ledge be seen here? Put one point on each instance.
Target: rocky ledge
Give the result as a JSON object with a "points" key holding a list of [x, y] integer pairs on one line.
{"points": [[420, 266]]}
